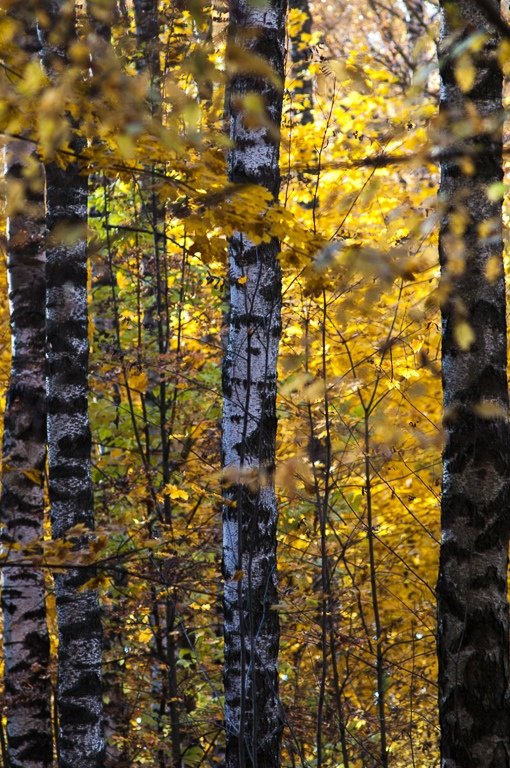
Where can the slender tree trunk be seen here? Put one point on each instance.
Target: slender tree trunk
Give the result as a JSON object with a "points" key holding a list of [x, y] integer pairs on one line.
{"points": [[147, 38], [116, 706], [253, 718], [25, 633], [80, 710], [472, 587], [156, 323], [299, 52]]}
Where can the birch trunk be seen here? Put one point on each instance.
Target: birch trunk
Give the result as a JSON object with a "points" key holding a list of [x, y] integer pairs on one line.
{"points": [[253, 718], [25, 633], [472, 587], [80, 711]]}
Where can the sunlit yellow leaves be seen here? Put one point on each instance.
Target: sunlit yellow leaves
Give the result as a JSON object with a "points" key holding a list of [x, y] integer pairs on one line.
{"points": [[200, 606], [295, 21], [175, 493], [145, 635], [138, 381]]}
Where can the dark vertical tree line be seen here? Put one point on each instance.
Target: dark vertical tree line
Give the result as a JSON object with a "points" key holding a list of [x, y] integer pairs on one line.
{"points": [[472, 590]]}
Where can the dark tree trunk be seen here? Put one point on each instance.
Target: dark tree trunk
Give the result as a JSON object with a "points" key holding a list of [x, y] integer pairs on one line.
{"points": [[253, 716], [25, 633], [472, 588], [116, 707], [157, 337], [149, 48], [302, 81], [80, 711]]}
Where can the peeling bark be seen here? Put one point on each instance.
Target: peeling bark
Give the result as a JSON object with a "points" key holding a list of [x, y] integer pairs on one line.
{"points": [[472, 587], [80, 710], [253, 718]]}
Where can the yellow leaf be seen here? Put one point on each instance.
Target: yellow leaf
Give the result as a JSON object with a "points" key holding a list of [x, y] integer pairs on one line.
{"points": [[175, 493], [465, 72], [122, 280], [488, 409], [464, 335], [145, 635], [496, 191], [504, 56], [138, 381], [493, 269], [126, 146]]}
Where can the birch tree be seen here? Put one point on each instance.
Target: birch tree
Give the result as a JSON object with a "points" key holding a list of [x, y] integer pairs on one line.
{"points": [[80, 712], [25, 633], [253, 718], [472, 587]]}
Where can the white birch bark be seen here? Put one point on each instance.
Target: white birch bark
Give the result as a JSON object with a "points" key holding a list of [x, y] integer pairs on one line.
{"points": [[253, 718], [473, 626], [79, 695], [25, 634]]}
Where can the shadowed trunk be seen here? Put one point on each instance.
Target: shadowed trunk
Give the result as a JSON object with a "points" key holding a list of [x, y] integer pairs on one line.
{"points": [[472, 586], [115, 703], [166, 689], [80, 711], [253, 717]]}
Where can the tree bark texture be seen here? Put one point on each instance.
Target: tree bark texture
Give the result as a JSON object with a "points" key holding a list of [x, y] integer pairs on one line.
{"points": [[253, 717], [472, 586], [25, 633], [80, 711]]}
